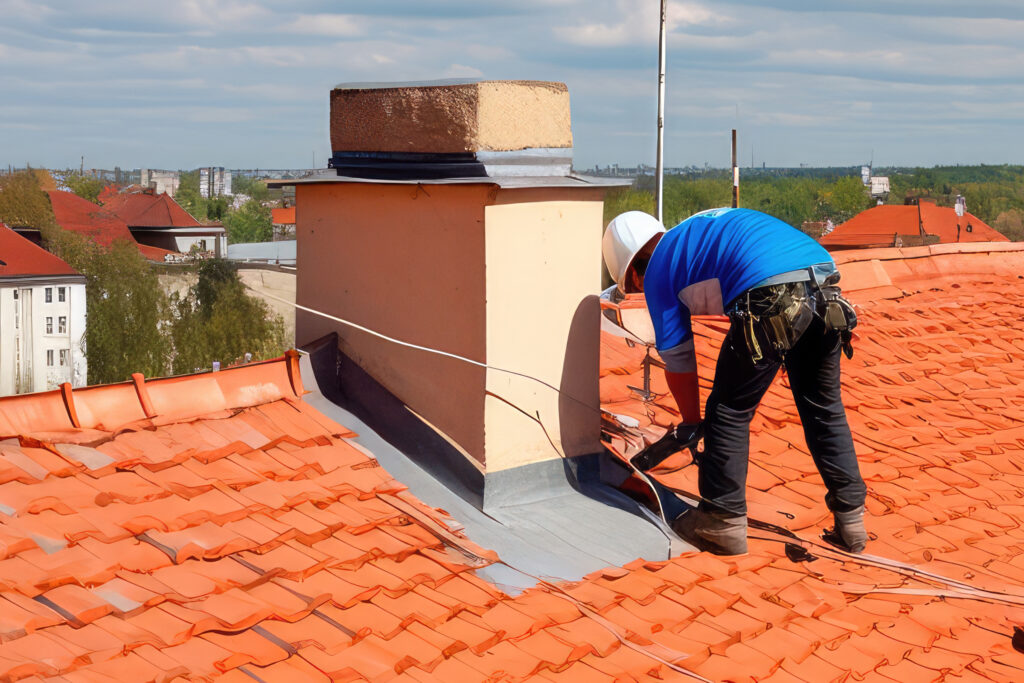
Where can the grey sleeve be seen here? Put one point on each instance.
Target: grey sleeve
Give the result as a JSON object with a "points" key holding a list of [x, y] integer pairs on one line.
{"points": [[680, 358]]}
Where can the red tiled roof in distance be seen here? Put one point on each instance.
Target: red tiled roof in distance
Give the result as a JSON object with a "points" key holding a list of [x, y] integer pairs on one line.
{"points": [[23, 258], [82, 216], [877, 225], [143, 209], [284, 216], [943, 221], [107, 192]]}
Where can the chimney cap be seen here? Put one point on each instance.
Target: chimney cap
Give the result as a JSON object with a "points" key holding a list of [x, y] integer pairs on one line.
{"points": [[440, 83]]}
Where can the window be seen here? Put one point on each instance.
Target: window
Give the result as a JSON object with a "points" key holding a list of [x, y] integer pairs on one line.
{"points": [[62, 325], [49, 295], [49, 358], [64, 356], [61, 294], [49, 324]]}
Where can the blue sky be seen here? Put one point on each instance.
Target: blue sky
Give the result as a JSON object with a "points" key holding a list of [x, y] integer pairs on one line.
{"points": [[245, 84]]}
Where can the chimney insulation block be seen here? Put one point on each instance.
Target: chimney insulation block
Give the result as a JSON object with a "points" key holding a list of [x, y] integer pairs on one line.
{"points": [[450, 117]]}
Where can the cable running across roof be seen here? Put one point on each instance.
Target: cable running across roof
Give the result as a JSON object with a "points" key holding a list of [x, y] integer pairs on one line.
{"points": [[968, 591], [410, 345]]}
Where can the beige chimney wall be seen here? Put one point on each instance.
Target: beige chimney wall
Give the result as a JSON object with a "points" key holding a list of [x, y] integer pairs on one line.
{"points": [[495, 116], [505, 272], [506, 277]]}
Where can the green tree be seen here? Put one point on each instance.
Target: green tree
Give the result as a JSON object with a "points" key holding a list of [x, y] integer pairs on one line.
{"points": [[85, 186], [1011, 224], [126, 308], [218, 321], [23, 204], [627, 199], [250, 223], [844, 199], [188, 197], [792, 200], [249, 186]]}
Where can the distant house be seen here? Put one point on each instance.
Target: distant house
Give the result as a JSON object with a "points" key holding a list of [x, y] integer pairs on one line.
{"points": [[42, 318], [909, 225], [284, 223], [97, 223], [156, 220]]}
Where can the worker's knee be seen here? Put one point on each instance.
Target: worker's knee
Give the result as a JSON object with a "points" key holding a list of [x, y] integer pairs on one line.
{"points": [[719, 413]]}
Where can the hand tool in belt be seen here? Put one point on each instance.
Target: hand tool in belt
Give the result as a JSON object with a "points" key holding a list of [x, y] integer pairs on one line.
{"points": [[676, 439]]}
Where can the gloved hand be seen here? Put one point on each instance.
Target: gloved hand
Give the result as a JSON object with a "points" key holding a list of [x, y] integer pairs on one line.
{"points": [[676, 439]]}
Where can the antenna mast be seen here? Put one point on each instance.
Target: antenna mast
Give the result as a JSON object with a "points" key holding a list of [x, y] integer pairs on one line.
{"points": [[659, 171]]}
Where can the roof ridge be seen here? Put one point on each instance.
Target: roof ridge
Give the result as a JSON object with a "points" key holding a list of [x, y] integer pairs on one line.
{"points": [[163, 400]]}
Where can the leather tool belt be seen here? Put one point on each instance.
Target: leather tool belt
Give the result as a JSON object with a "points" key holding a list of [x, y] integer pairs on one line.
{"points": [[773, 317]]}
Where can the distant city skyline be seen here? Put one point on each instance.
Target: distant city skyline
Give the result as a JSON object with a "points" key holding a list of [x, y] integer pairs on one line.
{"points": [[245, 84]]}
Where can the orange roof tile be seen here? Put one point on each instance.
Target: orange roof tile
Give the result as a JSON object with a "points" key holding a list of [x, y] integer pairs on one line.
{"points": [[23, 258], [934, 404], [82, 216], [284, 216], [943, 221], [218, 526], [143, 209], [880, 225], [876, 226]]}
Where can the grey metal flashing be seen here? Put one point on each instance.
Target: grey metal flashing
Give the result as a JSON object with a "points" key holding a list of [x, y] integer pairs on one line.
{"points": [[384, 85], [504, 182], [555, 520]]}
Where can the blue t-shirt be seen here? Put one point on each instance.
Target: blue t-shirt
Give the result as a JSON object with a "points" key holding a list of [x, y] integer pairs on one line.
{"points": [[704, 263]]}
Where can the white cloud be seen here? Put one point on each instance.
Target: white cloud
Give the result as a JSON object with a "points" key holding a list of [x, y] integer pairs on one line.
{"points": [[24, 9], [808, 84], [637, 23], [221, 14], [340, 25], [462, 71]]}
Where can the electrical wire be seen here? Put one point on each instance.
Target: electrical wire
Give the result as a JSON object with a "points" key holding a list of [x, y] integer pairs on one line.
{"points": [[427, 349]]}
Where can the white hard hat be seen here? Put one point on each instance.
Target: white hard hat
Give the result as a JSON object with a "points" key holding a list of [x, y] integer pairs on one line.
{"points": [[626, 235]]}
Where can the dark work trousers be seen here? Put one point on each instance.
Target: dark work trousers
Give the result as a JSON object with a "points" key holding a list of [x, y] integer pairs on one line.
{"points": [[813, 367]]}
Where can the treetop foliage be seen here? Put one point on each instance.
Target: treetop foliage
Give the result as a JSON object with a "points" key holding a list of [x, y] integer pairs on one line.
{"points": [[85, 186], [251, 187], [23, 204], [132, 325], [218, 320], [995, 194], [251, 222]]}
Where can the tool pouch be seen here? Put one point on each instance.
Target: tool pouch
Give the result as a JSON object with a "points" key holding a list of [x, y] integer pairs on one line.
{"points": [[773, 318], [838, 314]]}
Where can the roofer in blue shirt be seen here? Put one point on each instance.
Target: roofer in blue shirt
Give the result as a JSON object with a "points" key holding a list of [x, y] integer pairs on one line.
{"points": [[778, 287]]}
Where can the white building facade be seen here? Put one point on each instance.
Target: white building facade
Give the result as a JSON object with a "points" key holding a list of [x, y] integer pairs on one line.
{"points": [[160, 181], [42, 324]]}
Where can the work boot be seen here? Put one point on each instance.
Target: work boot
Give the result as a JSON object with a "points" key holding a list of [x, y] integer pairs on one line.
{"points": [[714, 532], [848, 533]]}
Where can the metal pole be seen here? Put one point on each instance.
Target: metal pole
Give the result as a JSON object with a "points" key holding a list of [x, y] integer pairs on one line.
{"points": [[659, 170], [735, 174]]}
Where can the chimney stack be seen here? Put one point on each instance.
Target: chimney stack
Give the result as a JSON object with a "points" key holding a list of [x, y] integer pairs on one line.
{"points": [[453, 223]]}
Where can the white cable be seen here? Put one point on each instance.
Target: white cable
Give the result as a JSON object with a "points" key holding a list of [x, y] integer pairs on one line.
{"points": [[418, 347]]}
